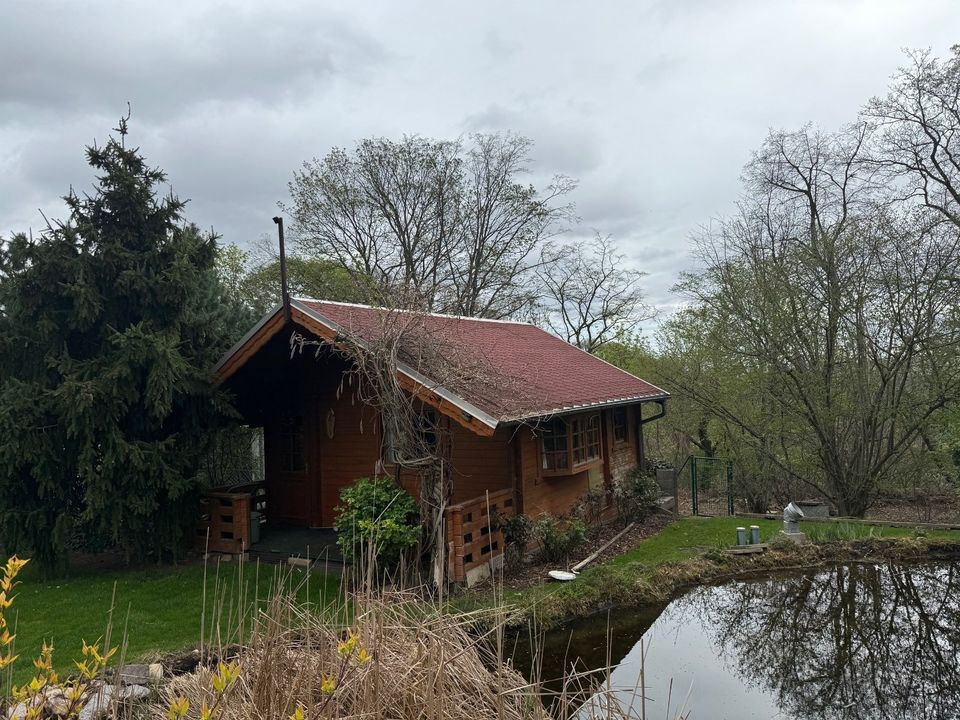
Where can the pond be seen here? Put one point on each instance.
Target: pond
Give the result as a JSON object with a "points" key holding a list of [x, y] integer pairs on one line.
{"points": [[859, 641]]}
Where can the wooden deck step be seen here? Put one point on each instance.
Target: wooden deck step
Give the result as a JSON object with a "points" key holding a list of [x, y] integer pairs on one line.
{"points": [[747, 549]]}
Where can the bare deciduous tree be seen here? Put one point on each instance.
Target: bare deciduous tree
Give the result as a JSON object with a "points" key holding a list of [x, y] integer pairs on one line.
{"points": [[449, 221], [592, 296], [847, 300], [919, 130]]}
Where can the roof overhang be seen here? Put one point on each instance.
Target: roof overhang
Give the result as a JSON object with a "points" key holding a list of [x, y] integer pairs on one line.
{"points": [[442, 399], [586, 407]]}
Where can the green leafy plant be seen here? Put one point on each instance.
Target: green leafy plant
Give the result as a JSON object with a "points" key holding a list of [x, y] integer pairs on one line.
{"points": [[558, 537], [377, 512], [636, 495], [517, 531], [838, 532], [590, 506]]}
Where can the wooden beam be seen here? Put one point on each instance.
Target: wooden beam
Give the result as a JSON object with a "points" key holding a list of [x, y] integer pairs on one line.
{"points": [[250, 347], [256, 341], [317, 328], [444, 406]]}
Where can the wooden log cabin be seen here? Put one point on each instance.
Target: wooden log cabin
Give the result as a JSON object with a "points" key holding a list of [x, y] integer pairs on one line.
{"points": [[544, 423]]}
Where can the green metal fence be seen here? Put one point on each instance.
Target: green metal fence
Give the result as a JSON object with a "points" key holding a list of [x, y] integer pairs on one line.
{"points": [[711, 485]]}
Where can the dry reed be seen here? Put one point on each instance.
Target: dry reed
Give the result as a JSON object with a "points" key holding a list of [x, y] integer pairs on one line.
{"points": [[396, 659]]}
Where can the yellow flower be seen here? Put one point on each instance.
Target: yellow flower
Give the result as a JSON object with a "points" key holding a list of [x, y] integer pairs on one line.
{"points": [[362, 656], [298, 713], [328, 684], [179, 708], [13, 567], [345, 647], [7, 660], [36, 685], [225, 677]]}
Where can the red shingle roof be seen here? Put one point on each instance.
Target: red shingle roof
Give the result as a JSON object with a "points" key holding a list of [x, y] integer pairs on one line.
{"points": [[528, 373]]}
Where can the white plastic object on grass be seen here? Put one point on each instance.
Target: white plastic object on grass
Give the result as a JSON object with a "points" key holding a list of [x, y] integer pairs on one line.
{"points": [[562, 575]]}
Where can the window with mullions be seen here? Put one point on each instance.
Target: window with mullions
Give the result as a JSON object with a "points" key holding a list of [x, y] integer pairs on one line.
{"points": [[585, 439], [567, 445], [620, 424], [389, 450], [427, 426], [292, 456], [556, 454]]}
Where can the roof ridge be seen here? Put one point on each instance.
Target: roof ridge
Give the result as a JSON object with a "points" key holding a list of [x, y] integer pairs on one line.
{"points": [[431, 314]]}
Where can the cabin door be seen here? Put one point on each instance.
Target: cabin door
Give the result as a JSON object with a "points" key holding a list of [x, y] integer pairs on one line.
{"points": [[293, 484]]}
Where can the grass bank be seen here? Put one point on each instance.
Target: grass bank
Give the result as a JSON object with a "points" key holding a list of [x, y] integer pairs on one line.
{"points": [[691, 551], [161, 609]]}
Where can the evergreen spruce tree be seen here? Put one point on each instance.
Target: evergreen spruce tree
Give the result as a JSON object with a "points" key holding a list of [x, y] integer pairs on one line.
{"points": [[111, 324]]}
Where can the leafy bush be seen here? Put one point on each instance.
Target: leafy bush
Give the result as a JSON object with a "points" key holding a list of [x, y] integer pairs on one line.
{"points": [[558, 537], [636, 495], [517, 531], [379, 512], [838, 532], [590, 506]]}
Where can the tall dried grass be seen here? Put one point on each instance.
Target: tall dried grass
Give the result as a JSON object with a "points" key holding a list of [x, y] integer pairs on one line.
{"points": [[385, 654], [371, 654], [396, 658]]}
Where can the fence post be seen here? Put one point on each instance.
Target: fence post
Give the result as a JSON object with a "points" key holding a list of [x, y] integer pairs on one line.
{"points": [[676, 494], [729, 487], [693, 485]]}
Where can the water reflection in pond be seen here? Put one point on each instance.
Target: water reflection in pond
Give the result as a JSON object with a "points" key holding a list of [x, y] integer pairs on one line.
{"points": [[861, 641]]}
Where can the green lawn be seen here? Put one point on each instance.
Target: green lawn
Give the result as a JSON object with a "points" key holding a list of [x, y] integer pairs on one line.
{"points": [[633, 576], [691, 535], [161, 609]]}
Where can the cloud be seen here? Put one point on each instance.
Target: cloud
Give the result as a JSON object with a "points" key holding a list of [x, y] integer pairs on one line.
{"points": [[653, 106], [166, 59], [568, 147]]}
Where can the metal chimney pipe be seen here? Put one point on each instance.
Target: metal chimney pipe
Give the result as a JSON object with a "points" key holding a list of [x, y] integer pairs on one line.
{"points": [[284, 292]]}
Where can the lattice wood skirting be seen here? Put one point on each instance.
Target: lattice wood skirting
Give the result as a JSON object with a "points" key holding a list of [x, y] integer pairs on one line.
{"points": [[471, 542]]}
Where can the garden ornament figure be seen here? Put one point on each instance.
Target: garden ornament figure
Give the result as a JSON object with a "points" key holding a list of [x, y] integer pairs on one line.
{"points": [[792, 515]]}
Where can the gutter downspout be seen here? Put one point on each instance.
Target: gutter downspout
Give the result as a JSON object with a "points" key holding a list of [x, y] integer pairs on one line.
{"points": [[641, 455]]}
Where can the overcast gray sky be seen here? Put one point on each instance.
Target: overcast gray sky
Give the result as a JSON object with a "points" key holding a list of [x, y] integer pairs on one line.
{"points": [[653, 106]]}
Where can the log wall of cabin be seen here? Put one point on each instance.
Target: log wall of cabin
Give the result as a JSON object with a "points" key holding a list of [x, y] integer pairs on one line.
{"points": [[540, 494], [352, 452], [558, 494], [479, 463], [274, 384], [311, 386], [623, 455]]}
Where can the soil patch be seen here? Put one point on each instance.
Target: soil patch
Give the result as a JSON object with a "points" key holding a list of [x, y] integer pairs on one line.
{"points": [[533, 572], [933, 509]]}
